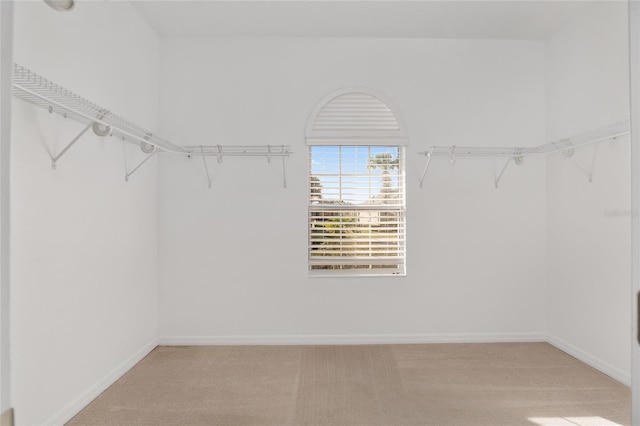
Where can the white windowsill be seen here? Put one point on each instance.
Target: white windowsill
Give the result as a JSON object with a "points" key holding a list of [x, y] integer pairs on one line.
{"points": [[343, 275]]}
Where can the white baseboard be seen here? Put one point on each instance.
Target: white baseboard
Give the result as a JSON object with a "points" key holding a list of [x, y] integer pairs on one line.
{"points": [[381, 339], [351, 339], [600, 365], [80, 402]]}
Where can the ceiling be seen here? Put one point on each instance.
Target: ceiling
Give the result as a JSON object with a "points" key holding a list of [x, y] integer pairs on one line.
{"points": [[526, 20]]}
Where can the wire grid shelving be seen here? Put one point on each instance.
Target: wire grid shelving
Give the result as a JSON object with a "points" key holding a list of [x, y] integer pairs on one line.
{"points": [[34, 88], [610, 131]]}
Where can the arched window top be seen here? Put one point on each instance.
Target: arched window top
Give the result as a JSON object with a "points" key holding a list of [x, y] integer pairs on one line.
{"points": [[355, 116]]}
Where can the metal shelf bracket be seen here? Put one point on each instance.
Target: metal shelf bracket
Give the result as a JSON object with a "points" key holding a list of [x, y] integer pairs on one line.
{"points": [[284, 170], [568, 154], [429, 155], [128, 174], [219, 154], [518, 159], [54, 160], [497, 181], [206, 169]]}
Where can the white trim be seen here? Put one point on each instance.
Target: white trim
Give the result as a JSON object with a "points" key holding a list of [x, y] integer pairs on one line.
{"points": [[6, 62], [82, 400], [355, 273], [341, 139], [388, 339], [351, 339], [634, 107], [595, 362]]}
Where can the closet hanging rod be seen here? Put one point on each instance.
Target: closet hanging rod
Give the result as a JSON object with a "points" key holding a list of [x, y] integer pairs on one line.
{"points": [[240, 150], [611, 131]]}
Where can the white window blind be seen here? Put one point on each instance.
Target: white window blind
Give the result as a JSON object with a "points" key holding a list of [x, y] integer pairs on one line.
{"points": [[356, 210]]}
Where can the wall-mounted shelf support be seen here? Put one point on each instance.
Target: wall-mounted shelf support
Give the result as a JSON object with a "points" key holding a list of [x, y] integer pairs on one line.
{"points": [[518, 159], [497, 180], [54, 160], [206, 169], [140, 164], [587, 172], [284, 172], [429, 155]]}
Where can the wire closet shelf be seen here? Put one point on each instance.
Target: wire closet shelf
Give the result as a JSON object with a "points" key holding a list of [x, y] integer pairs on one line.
{"points": [[35, 89], [611, 131], [517, 154]]}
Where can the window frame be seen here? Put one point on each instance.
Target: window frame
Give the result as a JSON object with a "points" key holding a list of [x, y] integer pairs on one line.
{"points": [[400, 208], [356, 116]]}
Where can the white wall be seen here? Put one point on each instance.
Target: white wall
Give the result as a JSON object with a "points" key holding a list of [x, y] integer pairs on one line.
{"points": [[588, 252], [233, 259], [84, 261]]}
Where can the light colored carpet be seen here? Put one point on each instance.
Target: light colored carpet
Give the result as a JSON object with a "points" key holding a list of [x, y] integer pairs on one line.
{"points": [[413, 385]]}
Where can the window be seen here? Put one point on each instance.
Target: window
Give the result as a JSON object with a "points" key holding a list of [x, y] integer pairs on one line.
{"points": [[356, 185], [356, 210]]}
